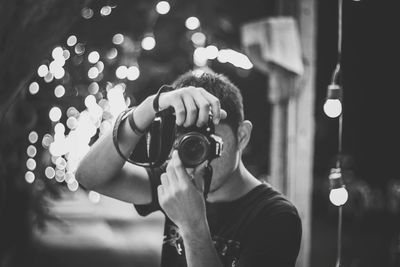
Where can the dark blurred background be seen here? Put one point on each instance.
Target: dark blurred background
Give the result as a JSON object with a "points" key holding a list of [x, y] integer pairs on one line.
{"points": [[47, 219]]}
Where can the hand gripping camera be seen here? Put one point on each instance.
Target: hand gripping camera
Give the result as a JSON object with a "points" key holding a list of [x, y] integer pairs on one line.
{"points": [[194, 144]]}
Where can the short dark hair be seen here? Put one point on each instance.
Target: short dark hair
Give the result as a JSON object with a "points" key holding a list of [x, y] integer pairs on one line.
{"points": [[220, 86]]}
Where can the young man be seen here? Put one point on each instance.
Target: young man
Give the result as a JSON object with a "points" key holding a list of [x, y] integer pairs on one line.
{"points": [[243, 222]]}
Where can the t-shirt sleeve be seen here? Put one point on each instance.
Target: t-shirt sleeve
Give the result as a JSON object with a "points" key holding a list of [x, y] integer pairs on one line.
{"points": [[275, 242], [154, 176]]}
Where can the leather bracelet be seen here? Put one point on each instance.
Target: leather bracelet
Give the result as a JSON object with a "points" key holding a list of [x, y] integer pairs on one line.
{"points": [[116, 127], [163, 89], [132, 123]]}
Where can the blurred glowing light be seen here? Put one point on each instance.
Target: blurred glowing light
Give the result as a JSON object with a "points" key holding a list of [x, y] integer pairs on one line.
{"points": [[235, 58], [59, 73], [211, 52], [80, 49], [121, 72], [55, 114], [93, 88], [42, 70], [200, 56], [72, 122], [192, 23], [198, 38], [333, 108], [93, 57], [93, 72], [33, 137], [61, 164], [59, 128], [105, 10], [60, 175], [34, 88], [71, 41], [163, 7], [100, 66], [73, 186], [148, 43], [66, 54], [133, 73], [87, 13], [31, 164], [59, 91], [72, 112], [31, 151], [29, 177], [69, 177], [94, 197], [47, 140], [338, 196], [116, 100], [49, 172], [49, 77], [90, 100], [118, 39], [57, 52], [113, 53]]}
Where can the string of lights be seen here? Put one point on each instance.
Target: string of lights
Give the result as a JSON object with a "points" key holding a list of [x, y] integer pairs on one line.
{"points": [[338, 194], [68, 143]]}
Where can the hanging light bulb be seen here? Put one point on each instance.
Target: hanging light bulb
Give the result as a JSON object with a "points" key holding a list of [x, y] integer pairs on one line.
{"points": [[338, 194], [333, 104]]}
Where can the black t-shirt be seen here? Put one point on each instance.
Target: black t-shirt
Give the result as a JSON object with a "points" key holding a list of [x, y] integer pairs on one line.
{"points": [[261, 228]]}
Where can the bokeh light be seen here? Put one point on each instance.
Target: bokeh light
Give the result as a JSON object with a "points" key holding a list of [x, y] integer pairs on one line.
{"points": [[133, 73], [71, 41], [59, 91], [34, 88], [31, 151], [31, 164], [55, 114], [148, 43], [33, 137], [192, 23], [198, 38], [118, 39], [29, 177], [121, 72], [42, 70], [87, 13], [93, 57], [105, 10], [163, 7], [49, 172], [94, 197]]}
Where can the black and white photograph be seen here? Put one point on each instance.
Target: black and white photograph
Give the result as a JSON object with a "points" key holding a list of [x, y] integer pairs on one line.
{"points": [[199, 133]]}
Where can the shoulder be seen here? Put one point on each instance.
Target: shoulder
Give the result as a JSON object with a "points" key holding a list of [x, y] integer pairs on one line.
{"points": [[275, 204]]}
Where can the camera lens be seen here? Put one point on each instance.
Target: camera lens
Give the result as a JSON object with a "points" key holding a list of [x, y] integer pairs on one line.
{"points": [[193, 149]]}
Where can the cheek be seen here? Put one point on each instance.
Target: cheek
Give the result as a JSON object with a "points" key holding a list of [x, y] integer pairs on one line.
{"points": [[226, 163]]}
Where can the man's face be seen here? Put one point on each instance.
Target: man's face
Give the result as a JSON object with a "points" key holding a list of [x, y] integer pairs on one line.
{"points": [[225, 165]]}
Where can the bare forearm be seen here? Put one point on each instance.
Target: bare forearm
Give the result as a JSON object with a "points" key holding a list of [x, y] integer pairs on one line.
{"points": [[199, 247], [102, 163]]}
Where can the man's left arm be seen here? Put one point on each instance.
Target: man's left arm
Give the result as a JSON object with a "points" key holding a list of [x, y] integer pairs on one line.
{"points": [[183, 202]]}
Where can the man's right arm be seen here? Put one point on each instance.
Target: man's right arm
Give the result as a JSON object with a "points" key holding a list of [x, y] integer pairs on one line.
{"points": [[105, 171]]}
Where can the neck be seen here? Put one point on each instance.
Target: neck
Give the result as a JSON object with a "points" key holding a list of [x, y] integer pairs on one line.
{"points": [[240, 182]]}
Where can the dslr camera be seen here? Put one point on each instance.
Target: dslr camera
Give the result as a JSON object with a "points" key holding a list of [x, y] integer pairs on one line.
{"points": [[194, 144]]}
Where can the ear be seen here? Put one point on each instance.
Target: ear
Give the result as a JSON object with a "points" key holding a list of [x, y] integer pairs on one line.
{"points": [[244, 133]]}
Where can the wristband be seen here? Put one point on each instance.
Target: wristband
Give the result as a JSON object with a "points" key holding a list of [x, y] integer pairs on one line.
{"points": [[163, 89], [117, 124], [132, 123]]}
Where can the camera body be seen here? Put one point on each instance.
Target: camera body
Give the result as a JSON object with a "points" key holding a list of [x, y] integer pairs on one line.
{"points": [[194, 144], [197, 144]]}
